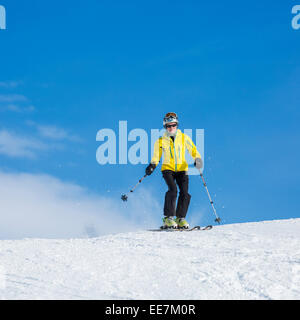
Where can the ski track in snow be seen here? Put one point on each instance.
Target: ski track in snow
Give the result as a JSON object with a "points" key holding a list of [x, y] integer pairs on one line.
{"points": [[258, 260]]}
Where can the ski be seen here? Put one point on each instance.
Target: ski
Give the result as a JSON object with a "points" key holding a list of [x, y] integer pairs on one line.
{"points": [[196, 228]]}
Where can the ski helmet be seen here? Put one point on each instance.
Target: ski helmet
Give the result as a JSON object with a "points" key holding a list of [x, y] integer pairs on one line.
{"points": [[169, 118]]}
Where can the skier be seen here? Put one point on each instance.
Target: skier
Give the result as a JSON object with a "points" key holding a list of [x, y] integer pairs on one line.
{"points": [[174, 169]]}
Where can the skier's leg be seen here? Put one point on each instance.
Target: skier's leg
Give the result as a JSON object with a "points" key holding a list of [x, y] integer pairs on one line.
{"points": [[184, 198], [171, 194]]}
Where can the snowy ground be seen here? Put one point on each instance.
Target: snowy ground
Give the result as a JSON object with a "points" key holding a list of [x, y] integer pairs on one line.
{"points": [[239, 261]]}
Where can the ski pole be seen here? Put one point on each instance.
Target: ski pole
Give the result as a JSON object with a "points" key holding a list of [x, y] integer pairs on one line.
{"points": [[218, 219], [124, 197]]}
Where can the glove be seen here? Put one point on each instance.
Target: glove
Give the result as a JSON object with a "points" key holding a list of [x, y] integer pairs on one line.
{"points": [[150, 169], [198, 163]]}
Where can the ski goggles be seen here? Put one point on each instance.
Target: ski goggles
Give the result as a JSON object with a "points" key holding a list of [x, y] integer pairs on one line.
{"points": [[171, 125], [171, 115]]}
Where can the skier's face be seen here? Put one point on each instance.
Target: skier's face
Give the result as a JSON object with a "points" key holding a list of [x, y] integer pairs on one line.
{"points": [[172, 127]]}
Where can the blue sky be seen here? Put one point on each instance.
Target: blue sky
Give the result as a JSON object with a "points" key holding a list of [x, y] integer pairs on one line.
{"points": [[69, 69]]}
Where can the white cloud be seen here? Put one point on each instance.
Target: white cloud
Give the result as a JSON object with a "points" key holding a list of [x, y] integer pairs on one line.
{"points": [[14, 102], [17, 108], [17, 146], [10, 98], [46, 207], [13, 145], [56, 133], [10, 84]]}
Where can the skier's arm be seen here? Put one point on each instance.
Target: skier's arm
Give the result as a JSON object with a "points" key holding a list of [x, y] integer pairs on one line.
{"points": [[191, 148], [157, 152], [156, 157]]}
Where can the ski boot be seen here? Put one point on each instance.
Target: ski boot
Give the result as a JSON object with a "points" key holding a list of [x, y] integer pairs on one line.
{"points": [[169, 223], [182, 223]]}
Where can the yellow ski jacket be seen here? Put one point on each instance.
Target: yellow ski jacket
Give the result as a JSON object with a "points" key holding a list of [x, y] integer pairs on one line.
{"points": [[174, 152]]}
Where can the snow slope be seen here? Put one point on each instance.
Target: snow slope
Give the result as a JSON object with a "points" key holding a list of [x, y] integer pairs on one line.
{"points": [[239, 261]]}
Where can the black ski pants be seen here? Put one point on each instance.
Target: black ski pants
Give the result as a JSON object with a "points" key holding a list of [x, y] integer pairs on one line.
{"points": [[180, 178]]}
